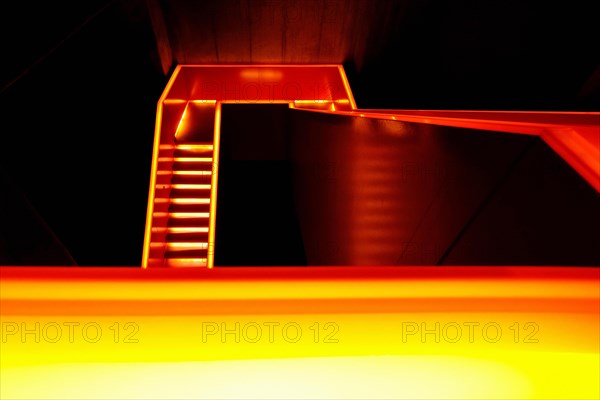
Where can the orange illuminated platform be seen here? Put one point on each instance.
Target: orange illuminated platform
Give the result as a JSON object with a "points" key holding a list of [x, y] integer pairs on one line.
{"points": [[315, 332]]}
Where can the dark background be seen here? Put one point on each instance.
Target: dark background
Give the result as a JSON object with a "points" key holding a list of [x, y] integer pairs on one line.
{"points": [[79, 85]]}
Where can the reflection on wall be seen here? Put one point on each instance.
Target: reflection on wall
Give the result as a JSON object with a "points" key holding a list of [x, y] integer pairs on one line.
{"points": [[544, 214], [372, 192], [304, 188]]}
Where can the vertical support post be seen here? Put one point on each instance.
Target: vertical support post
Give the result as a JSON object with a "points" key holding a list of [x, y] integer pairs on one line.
{"points": [[213, 188]]}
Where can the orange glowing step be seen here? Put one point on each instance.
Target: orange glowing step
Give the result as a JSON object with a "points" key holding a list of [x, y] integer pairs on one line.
{"points": [[181, 214], [188, 146], [185, 200], [181, 245], [201, 172], [184, 186], [182, 229], [186, 262], [185, 159]]}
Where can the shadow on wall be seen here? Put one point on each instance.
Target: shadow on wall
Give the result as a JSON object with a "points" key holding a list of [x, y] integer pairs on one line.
{"points": [[256, 217], [25, 239]]}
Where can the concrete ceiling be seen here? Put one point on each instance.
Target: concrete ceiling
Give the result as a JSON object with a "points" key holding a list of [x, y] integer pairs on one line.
{"points": [[274, 31], [509, 54]]}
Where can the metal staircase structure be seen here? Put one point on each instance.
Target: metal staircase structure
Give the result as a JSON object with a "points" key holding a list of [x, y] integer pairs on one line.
{"points": [[181, 215]]}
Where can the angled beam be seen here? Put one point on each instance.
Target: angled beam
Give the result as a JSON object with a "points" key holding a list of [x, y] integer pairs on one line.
{"points": [[163, 45]]}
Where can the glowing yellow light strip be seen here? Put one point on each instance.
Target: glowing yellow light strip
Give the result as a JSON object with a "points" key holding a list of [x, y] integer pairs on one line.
{"points": [[180, 229], [183, 200], [312, 101], [185, 186], [270, 101], [184, 172], [258, 67], [205, 172], [185, 159], [186, 146], [347, 86], [187, 262], [156, 147], [181, 214], [204, 102], [213, 190], [182, 118], [194, 146], [182, 245]]}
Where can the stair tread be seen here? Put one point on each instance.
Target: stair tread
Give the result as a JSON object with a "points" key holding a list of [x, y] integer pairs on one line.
{"points": [[184, 186], [185, 172], [186, 159], [187, 146], [181, 246], [181, 214], [186, 262], [182, 201]]}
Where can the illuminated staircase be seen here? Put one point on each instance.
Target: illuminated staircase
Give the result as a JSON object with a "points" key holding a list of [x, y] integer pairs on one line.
{"points": [[180, 231], [181, 213]]}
